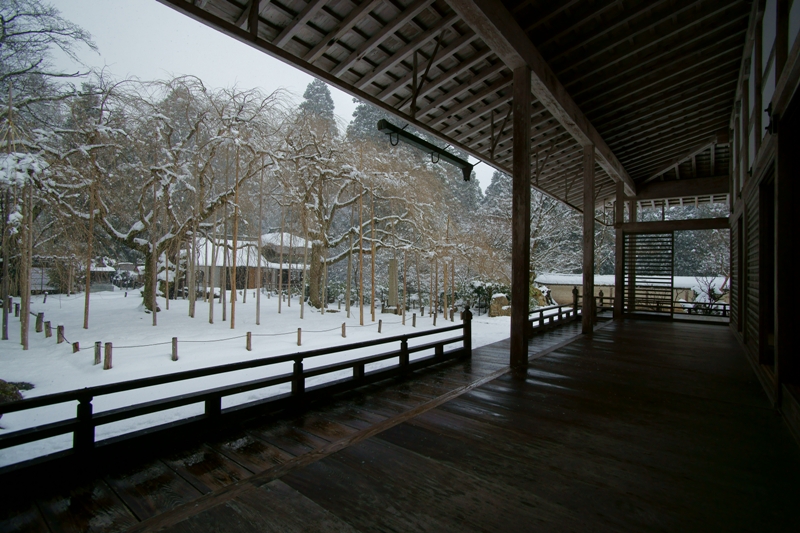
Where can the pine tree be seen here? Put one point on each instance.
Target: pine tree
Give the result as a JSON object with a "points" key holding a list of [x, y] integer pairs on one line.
{"points": [[365, 122], [317, 101]]}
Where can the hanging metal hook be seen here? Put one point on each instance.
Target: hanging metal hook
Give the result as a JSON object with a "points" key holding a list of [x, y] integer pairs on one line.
{"points": [[438, 157], [396, 139]]}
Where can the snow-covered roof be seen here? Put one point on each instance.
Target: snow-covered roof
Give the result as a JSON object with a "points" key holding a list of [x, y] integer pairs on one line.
{"points": [[246, 253], [274, 239]]}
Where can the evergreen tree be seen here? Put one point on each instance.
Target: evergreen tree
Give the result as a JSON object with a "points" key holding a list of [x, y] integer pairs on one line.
{"points": [[317, 101], [365, 122]]}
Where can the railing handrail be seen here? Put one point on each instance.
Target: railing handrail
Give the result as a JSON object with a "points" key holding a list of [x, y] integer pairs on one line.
{"points": [[542, 309], [122, 386]]}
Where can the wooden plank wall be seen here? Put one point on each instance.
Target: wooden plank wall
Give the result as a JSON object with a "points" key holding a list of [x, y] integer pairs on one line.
{"points": [[735, 283], [751, 273]]}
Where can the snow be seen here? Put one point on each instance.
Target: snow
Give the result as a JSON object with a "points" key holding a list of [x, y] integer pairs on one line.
{"points": [[142, 350]]}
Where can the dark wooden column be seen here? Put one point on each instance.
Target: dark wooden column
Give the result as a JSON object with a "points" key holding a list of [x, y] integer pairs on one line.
{"points": [[619, 266], [787, 194], [588, 239], [520, 216]]}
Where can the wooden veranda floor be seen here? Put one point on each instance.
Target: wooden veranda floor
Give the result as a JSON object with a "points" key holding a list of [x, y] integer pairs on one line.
{"points": [[642, 426]]}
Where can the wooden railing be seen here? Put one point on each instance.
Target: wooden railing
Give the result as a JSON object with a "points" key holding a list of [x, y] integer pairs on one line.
{"points": [[86, 420], [539, 322]]}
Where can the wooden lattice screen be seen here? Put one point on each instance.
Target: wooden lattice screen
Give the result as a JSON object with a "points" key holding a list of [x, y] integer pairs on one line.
{"points": [[649, 270]]}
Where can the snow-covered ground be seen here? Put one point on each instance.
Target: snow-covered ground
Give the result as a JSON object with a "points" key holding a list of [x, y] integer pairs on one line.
{"points": [[114, 318]]}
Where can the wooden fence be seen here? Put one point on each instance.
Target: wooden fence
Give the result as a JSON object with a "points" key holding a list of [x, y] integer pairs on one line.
{"points": [[86, 420]]}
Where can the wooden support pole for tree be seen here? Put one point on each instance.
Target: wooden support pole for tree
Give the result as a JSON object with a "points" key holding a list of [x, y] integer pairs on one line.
{"points": [[107, 356], [174, 348], [619, 251], [16, 309], [520, 215], [588, 240], [98, 347], [249, 345], [60, 334], [361, 257], [48, 330]]}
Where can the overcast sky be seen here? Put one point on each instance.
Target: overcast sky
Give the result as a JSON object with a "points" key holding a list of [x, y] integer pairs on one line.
{"points": [[146, 39]]}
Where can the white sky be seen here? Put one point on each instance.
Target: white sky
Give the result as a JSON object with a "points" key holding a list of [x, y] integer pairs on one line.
{"points": [[146, 39]]}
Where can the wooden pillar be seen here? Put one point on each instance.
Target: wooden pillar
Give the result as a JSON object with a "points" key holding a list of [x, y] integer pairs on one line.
{"points": [[588, 239], [619, 253], [520, 216]]}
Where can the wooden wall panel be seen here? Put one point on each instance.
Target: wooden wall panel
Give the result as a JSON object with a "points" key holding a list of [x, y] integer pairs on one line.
{"points": [[735, 275], [751, 283]]}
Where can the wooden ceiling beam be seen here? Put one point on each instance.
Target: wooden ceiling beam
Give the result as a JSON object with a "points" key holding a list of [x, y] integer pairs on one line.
{"points": [[418, 42], [402, 18], [640, 145], [482, 110], [719, 137], [308, 12], [651, 71], [495, 87], [674, 95], [474, 82], [686, 188], [342, 28], [625, 41], [498, 29], [445, 54], [652, 114], [644, 154]]}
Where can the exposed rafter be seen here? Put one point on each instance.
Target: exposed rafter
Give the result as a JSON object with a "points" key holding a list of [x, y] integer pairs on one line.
{"points": [[500, 31]]}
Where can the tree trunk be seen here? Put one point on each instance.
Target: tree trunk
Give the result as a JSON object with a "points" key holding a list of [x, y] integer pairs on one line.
{"points": [[280, 255], [6, 259], [361, 257], [88, 259], [315, 274], [305, 269], [372, 301], [235, 243]]}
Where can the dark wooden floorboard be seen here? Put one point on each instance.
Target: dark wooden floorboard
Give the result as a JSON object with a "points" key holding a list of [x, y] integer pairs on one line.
{"points": [[90, 507], [273, 508], [643, 426]]}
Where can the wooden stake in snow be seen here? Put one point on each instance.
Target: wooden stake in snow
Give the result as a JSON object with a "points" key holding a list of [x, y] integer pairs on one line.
{"points": [[60, 334], [299, 336], [249, 345], [97, 350], [107, 357], [174, 348], [414, 320], [39, 322], [48, 330], [344, 331], [380, 323], [76, 347]]}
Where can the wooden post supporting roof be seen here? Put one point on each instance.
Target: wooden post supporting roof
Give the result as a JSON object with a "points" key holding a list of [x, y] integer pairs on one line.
{"points": [[619, 252], [587, 319], [521, 216]]}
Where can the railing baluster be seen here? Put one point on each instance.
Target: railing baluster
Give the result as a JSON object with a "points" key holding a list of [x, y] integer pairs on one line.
{"points": [[298, 380], [404, 352], [358, 371], [213, 406], [83, 437]]}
